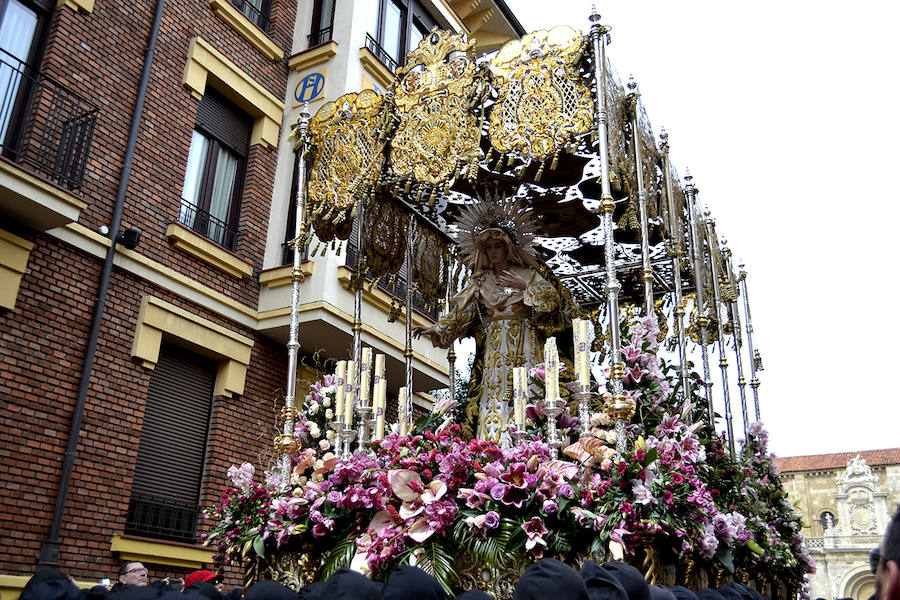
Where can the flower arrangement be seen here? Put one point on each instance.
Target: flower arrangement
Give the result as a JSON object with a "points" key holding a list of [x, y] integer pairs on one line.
{"points": [[431, 497]]}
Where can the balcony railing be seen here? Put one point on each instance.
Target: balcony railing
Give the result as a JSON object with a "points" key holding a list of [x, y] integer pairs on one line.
{"points": [[44, 124], [208, 226], [320, 37], [162, 518], [259, 18], [381, 53], [398, 289]]}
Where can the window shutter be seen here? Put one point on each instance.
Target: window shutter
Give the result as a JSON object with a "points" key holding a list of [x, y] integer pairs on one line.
{"points": [[224, 121], [169, 468]]}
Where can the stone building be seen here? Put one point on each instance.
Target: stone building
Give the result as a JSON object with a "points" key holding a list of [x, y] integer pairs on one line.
{"points": [[846, 500], [145, 199]]}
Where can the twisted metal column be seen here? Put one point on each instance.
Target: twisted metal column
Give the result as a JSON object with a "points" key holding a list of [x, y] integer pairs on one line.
{"points": [[451, 352], [738, 342], [359, 279], [690, 192], [408, 352], [677, 253], [646, 272], [622, 407], [286, 442], [754, 354], [712, 242]]}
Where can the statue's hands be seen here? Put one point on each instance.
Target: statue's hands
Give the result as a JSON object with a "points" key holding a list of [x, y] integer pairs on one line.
{"points": [[512, 280], [419, 330]]}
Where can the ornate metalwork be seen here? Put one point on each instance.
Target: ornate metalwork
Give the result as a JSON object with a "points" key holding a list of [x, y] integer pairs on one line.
{"points": [[348, 137], [543, 103], [499, 581], [430, 258], [385, 243], [437, 131]]}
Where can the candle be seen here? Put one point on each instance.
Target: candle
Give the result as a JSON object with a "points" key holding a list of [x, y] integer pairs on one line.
{"points": [[401, 411], [380, 395], [349, 389], [517, 394], [365, 376], [340, 375], [523, 383], [582, 352], [551, 370]]}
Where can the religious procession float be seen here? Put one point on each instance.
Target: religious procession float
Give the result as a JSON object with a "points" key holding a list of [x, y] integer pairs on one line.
{"points": [[528, 196]]}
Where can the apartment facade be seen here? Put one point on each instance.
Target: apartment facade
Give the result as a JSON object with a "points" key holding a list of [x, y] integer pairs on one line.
{"points": [[146, 192]]}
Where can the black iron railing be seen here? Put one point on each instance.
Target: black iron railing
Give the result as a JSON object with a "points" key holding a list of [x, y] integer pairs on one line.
{"points": [[44, 124], [208, 226], [320, 37], [162, 518], [287, 253], [259, 18], [381, 53], [398, 287]]}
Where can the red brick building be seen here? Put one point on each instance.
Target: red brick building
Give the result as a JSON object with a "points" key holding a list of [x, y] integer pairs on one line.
{"points": [[132, 376]]}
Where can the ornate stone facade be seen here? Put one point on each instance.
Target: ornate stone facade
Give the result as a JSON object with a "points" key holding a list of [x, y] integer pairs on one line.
{"points": [[846, 501]]}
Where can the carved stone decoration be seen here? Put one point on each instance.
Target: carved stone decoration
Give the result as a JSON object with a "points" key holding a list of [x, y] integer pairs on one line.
{"points": [[385, 236], [542, 103], [437, 131], [862, 506], [348, 149]]}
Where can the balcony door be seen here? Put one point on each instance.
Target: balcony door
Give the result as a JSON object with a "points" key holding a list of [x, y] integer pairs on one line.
{"points": [[18, 29]]}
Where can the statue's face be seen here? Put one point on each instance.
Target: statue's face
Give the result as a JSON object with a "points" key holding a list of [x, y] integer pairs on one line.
{"points": [[495, 251]]}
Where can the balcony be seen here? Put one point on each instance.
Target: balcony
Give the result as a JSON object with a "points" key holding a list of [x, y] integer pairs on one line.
{"points": [[161, 518], [46, 131], [252, 12], [208, 226], [320, 37], [381, 53]]}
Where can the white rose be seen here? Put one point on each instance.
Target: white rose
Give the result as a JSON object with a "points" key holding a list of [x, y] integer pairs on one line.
{"points": [[313, 408], [329, 414], [324, 445], [314, 430], [326, 402], [329, 435]]}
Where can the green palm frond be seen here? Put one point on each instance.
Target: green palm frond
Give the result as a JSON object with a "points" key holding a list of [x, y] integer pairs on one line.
{"points": [[436, 560], [339, 556]]}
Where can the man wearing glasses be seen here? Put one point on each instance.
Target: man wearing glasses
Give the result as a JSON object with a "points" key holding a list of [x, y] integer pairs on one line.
{"points": [[885, 562], [132, 574]]}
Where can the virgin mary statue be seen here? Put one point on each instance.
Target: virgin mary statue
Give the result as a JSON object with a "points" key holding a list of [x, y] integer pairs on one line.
{"points": [[511, 303]]}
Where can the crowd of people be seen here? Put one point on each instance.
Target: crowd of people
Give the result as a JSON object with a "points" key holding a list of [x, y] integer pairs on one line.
{"points": [[548, 579]]}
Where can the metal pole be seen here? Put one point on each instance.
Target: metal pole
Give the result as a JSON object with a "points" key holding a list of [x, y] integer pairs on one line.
{"points": [[622, 407], [293, 345], [690, 192], [359, 278], [408, 351], [451, 352], [736, 326], [720, 328], [646, 272], [754, 354], [677, 252]]}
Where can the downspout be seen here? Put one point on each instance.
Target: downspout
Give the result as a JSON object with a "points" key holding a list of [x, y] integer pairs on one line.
{"points": [[48, 558]]}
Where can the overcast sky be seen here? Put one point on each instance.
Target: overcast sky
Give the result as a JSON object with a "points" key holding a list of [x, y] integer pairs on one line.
{"points": [[786, 114]]}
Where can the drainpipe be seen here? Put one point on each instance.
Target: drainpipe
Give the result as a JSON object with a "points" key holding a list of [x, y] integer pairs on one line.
{"points": [[48, 558]]}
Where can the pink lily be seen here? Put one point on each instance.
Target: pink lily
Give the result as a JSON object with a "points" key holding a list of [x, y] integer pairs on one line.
{"points": [[407, 485], [535, 530]]}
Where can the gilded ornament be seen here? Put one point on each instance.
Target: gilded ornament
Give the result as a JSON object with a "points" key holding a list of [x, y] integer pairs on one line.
{"points": [[543, 103], [348, 149], [437, 132], [385, 246]]}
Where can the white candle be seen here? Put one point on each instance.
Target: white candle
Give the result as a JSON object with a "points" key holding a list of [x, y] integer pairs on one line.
{"points": [[401, 412], [380, 396], [340, 375], [551, 370], [582, 352], [349, 389], [523, 382], [516, 394], [365, 376]]}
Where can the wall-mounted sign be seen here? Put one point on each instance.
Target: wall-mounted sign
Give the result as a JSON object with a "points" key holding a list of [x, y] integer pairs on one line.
{"points": [[310, 88]]}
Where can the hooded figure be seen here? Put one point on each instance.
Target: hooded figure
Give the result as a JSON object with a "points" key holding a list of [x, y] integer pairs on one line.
{"points": [[709, 594], [682, 593], [343, 584], [269, 590], [636, 587], [412, 583], [734, 591], [601, 585], [474, 595], [550, 579], [659, 592], [50, 584]]}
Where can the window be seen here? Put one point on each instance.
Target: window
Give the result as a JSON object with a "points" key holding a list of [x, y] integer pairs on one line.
{"points": [[21, 27], [215, 170], [322, 28], [165, 494], [400, 26], [255, 10]]}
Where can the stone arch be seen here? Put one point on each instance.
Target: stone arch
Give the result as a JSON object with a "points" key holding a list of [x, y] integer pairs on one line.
{"points": [[858, 583]]}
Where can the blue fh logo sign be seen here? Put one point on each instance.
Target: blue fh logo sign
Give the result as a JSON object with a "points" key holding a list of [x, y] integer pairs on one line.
{"points": [[310, 87]]}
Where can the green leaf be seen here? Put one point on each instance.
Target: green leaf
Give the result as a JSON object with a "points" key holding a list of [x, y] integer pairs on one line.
{"points": [[651, 455], [340, 555], [755, 548], [259, 546], [725, 557]]}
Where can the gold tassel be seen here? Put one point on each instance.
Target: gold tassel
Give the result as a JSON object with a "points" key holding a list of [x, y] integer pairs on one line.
{"points": [[540, 171], [555, 161]]}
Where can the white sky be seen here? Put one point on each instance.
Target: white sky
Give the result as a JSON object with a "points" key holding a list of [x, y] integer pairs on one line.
{"points": [[786, 114]]}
